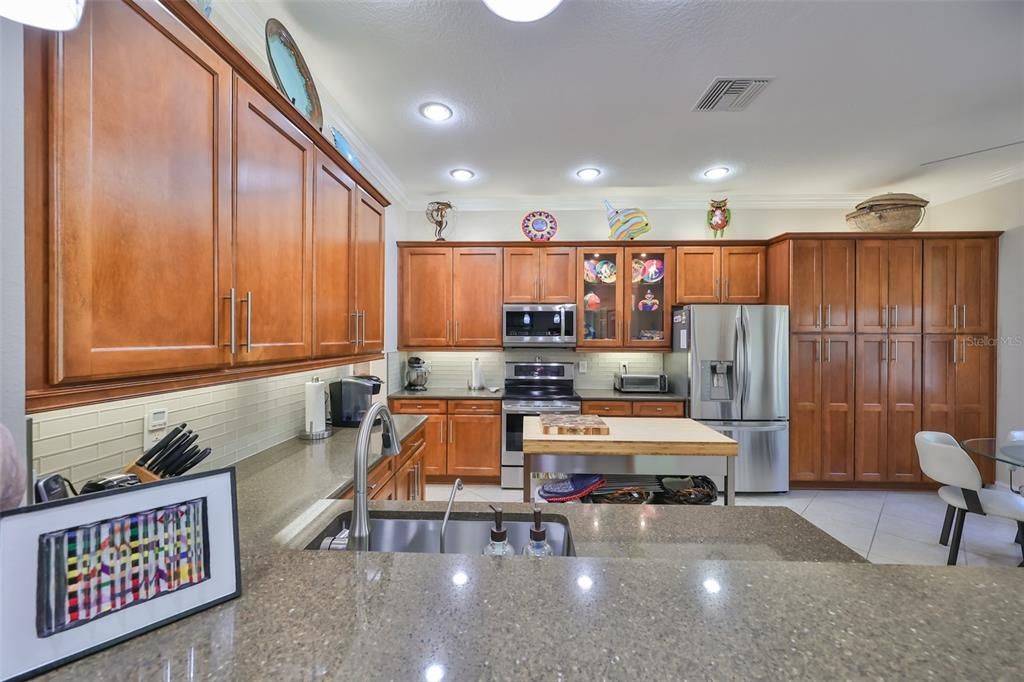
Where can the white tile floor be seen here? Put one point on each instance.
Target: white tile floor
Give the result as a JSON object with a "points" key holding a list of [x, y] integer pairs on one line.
{"points": [[885, 527]]}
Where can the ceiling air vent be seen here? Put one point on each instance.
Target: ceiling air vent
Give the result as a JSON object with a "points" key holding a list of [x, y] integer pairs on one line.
{"points": [[731, 94]]}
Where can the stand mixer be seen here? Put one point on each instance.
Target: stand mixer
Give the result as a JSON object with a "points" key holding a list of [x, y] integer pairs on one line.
{"points": [[417, 371]]}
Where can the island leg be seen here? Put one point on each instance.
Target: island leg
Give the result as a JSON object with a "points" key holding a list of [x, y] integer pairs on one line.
{"points": [[730, 481], [527, 480]]}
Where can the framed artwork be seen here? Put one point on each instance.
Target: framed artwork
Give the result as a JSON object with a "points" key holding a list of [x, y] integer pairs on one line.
{"points": [[84, 573]]}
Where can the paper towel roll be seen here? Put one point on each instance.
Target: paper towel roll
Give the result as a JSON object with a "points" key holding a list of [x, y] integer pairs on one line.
{"points": [[476, 379], [316, 417]]}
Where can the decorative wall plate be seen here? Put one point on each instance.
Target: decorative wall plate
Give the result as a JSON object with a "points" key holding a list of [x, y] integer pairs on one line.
{"points": [[606, 271], [638, 270], [291, 73], [654, 270], [590, 271], [539, 226], [342, 145]]}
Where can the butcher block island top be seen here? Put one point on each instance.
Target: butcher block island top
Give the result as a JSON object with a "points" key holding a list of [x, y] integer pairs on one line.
{"points": [[632, 436]]}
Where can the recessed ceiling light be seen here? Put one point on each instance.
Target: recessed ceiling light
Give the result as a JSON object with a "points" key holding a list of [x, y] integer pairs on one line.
{"points": [[522, 10], [435, 111], [588, 174], [717, 172], [462, 174], [56, 15]]}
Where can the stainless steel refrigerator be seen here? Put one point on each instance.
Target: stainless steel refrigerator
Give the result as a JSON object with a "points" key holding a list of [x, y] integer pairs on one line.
{"points": [[733, 363]]}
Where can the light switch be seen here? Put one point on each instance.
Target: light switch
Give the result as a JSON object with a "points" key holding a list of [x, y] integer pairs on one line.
{"points": [[583, 366]]}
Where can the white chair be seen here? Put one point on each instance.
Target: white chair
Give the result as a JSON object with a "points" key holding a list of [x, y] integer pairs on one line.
{"points": [[943, 460]]}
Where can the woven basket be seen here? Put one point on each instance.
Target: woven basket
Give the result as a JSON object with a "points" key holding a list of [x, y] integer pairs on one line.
{"points": [[888, 213]]}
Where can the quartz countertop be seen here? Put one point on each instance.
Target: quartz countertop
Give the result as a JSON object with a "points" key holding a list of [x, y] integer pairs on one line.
{"points": [[612, 394], [449, 394], [655, 592]]}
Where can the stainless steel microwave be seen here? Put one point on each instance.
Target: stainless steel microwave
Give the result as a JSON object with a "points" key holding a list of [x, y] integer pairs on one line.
{"points": [[533, 325]]}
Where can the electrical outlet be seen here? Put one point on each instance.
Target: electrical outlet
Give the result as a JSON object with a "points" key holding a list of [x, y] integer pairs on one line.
{"points": [[156, 426], [583, 366]]}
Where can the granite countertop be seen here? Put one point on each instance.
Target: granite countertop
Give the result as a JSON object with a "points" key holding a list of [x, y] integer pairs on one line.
{"points": [[449, 394], [612, 394], [655, 592], [284, 483]]}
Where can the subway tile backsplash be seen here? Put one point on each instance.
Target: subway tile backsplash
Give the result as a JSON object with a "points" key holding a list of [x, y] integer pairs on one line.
{"points": [[235, 420], [450, 369]]}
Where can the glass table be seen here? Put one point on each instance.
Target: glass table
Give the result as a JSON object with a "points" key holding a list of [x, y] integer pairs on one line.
{"points": [[1011, 454]]}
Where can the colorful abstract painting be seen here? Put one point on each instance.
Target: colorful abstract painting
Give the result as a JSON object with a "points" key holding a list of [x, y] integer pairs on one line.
{"points": [[92, 570]]}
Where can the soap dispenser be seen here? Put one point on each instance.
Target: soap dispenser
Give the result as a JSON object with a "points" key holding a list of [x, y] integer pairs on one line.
{"points": [[538, 544], [498, 546]]}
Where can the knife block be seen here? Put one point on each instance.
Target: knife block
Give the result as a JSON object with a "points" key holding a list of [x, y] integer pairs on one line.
{"points": [[144, 474]]}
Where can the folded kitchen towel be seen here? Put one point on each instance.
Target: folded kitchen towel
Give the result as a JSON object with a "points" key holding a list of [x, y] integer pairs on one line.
{"points": [[572, 488]]}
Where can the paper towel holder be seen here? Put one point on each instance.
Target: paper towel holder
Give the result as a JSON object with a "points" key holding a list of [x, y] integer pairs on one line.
{"points": [[308, 433]]}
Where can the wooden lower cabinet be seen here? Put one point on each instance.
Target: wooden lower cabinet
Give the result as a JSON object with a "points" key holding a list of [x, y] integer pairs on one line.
{"points": [[436, 452], [411, 478], [462, 437], [607, 408], [822, 407], [958, 389], [888, 407], [634, 408], [474, 445]]}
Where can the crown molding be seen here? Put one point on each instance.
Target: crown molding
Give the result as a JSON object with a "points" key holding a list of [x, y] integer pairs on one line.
{"points": [[244, 26], [655, 203]]}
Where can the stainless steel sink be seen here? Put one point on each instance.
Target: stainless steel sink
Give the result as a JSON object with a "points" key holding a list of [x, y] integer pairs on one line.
{"points": [[421, 533]]}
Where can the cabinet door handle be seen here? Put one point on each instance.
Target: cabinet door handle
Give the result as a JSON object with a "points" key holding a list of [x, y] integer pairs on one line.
{"points": [[896, 351], [954, 322], [248, 322], [233, 321], [896, 315], [828, 316], [355, 332], [361, 337], [817, 325], [716, 287], [963, 317], [456, 331], [885, 350], [885, 317], [954, 345], [447, 331], [727, 288], [817, 350], [828, 351], [963, 351], [451, 434]]}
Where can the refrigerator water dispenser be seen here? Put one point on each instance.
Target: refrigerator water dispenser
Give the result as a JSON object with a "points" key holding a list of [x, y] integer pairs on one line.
{"points": [[718, 380]]}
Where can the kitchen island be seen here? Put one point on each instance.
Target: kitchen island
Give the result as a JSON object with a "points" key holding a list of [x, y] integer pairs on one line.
{"points": [[633, 445], [654, 593]]}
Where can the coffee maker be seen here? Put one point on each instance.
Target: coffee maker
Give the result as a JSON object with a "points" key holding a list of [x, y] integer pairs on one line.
{"points": [[351, 398]]}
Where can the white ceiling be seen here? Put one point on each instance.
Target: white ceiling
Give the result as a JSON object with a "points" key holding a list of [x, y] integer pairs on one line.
{"points": [[864, 92]]}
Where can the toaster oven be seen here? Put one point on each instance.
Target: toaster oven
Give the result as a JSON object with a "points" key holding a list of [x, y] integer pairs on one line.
{"points": [[641, 383]]}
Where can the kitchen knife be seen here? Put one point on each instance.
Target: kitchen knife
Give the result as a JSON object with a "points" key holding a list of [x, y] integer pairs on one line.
{"points": [[164, 442], [171, 447], [194, 461], [171, 467], [160, 467]]}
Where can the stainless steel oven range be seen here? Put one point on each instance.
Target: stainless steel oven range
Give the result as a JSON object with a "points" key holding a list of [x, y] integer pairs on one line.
{"points": [[531, 389]]}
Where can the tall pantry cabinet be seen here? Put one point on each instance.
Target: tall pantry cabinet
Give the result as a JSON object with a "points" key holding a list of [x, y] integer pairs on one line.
{"points": [[909, 322]]}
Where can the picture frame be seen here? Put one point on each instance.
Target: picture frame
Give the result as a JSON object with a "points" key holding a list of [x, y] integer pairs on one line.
{"points": [[85, 573]]}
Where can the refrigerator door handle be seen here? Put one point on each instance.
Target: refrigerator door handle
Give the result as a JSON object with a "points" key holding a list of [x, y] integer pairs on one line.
{"points": [[747, 360], [739, 360]]}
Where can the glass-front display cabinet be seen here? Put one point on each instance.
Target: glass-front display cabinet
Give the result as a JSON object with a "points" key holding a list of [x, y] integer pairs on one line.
{"points": [[647, 296], [599, 307]]}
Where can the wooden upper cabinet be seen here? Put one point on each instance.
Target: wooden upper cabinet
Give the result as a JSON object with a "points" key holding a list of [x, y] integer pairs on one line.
{"points": [[647, 296], [333, 321], [805, 286], [939, 290], [522, 275], [273, 231], [140, 247], [905, 286], [476, 296], [557, 274], [838, 284], [698, 274], [743, 274], [540, 274], [600, 286], [889, 279], [976, 277], [425, 297], [873, 286], [805, 407], [368, 273], [838, 407]]}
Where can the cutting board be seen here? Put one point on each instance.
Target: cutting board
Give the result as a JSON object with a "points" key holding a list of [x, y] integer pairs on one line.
{"points": [[573, 425]]}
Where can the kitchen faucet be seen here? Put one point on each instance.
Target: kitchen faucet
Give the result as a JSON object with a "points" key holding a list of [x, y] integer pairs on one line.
{"points": [[451, 499], [359, 535]]}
